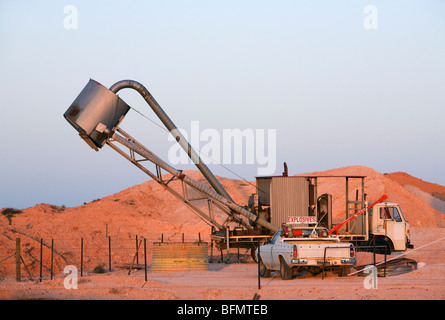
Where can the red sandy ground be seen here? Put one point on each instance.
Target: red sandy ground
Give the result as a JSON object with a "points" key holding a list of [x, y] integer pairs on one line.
{"points": [[148, 210]]}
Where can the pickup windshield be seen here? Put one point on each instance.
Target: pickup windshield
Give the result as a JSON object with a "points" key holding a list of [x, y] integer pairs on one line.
{"points": [[275, 237]]}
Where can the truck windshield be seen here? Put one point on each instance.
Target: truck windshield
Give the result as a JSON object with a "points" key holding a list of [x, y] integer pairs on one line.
{"points": [[390, 213], [396, 214], [275, 237]]}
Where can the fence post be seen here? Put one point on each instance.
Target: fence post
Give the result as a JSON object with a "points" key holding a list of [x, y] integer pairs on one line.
{"points": [[52, 258], [145, 257], [137, 250], [17, 260], [41, 259], [109, 253], [211, 244], [228, 244], [81, 257], [385, 265], [259, 277]]}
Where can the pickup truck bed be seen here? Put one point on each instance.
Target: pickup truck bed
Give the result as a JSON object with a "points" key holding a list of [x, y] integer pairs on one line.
{"points": [[313, 253]]}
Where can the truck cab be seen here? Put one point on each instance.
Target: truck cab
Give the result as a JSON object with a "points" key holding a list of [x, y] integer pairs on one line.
{"points": [[389, 226]]}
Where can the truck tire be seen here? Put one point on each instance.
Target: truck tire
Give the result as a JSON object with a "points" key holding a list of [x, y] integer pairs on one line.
{"points": [[285, 270], [383, 245], [264, 272], [343, 272]]}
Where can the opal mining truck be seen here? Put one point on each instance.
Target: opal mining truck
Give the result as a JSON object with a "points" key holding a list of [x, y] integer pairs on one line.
{"points": [[379, 226], [387, 229], [97, 114]]}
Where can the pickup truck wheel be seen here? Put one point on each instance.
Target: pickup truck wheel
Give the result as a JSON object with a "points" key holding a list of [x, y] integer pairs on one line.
{"points": [[343, 272], [264, 272], [285, 270]]}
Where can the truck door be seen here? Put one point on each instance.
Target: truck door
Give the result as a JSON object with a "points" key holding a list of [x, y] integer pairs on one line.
{"points": [[266, 251], [394, 226], [277, 248]]}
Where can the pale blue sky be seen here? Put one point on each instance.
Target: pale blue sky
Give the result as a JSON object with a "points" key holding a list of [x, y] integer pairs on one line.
{"points": [[337, 93]]}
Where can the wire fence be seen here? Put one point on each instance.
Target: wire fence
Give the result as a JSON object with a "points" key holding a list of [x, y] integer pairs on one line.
{"points": [[42, 259], [47, 258]]}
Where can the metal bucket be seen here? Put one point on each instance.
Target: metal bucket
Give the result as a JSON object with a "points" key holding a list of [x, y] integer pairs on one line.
{"points": [[96, 113]]}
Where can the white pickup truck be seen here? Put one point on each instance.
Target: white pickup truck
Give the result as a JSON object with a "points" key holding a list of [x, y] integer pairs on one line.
{"points": [[293, 250]]}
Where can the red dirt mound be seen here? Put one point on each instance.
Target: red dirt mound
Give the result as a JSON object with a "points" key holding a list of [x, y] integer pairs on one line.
{"points": [[150, 210], [404, 179], [420, 209]]}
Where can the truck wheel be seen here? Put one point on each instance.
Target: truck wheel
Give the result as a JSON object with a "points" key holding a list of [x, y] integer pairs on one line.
{"points": [[382, 243], [285, 270], [264, 272], [383, 246], [343, 272]]}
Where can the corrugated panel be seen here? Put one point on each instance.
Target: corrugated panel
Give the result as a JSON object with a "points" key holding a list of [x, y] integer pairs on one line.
{"points": [[289, 197], [263, 190], [179, 256]]}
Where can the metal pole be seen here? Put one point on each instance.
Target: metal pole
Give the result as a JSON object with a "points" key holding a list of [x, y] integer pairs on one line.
{"points": [[145, 257], [385, 264], [41, 259], [259, 277], [347, 202], [109, 253], [211, 244], [134, 257], [52, 258], [363, 192], [137, 250], [81, 257], [26, 268], [17, 260], [228, 244], [324, 263]]}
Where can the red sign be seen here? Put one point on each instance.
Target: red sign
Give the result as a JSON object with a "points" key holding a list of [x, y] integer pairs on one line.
{"points": [[301, 220]]}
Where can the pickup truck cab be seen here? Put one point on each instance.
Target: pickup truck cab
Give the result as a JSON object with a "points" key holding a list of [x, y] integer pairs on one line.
{"points": [[294, 250]]}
